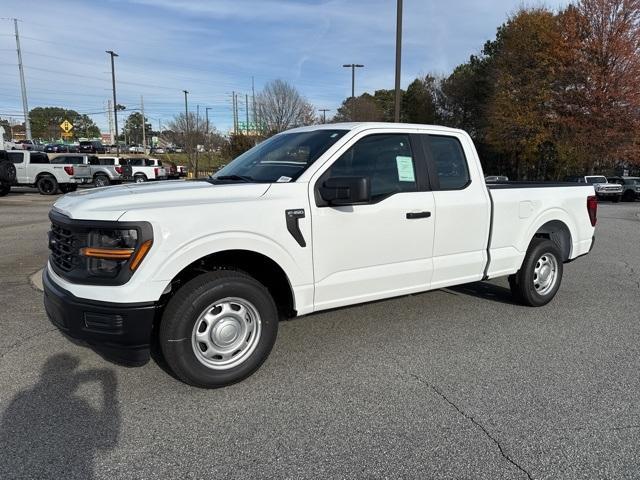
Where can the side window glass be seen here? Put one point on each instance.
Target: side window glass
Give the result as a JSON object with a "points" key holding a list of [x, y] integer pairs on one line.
{"points": [[450, 162], [15, 157], [94, 161], [386, 159], [39, 158]]}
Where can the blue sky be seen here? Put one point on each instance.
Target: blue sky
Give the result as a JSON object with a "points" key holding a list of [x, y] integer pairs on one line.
{"points": [[213, 47]]}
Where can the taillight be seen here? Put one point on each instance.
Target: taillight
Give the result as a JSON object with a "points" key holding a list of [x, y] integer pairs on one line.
{"points": [[592, 209], [69, 169], [119, 170], [156, 171]]}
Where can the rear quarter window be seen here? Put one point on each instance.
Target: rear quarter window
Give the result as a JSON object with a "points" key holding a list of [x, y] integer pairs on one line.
{"points": [[449, 162]]}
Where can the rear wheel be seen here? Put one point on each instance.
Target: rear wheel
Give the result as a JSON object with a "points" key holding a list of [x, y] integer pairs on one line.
{"points": [[4, 190], [218, 329], [47, 185], [101, 180], [140, 178], [539, 278]]}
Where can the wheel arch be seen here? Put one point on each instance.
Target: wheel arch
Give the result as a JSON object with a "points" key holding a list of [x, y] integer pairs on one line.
{"points": [[258, 265], [559, 233]]}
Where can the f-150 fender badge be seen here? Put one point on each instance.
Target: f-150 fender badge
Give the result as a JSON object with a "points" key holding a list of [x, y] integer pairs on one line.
{"points": [[293, 216]]}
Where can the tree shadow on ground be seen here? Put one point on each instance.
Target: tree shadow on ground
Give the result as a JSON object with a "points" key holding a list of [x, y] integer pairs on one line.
{"points": [[49, 431]]}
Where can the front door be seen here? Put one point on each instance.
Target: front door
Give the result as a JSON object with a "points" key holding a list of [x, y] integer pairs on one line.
{"points": [[382, 248]]}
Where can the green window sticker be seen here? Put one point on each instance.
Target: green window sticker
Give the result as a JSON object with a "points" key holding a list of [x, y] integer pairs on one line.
{"points": [[405, 169]]}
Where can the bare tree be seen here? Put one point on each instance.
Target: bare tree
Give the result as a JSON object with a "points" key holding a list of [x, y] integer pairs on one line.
{"points": [[280, 106]]}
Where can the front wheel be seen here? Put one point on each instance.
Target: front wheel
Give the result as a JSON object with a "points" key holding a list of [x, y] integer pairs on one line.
{"points": [[616, 199], [4, 190], [218, 329], [539, 278]]}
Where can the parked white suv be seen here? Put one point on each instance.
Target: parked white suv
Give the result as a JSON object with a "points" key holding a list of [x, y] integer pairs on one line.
{"points": [[311, 219], [604, 189]]}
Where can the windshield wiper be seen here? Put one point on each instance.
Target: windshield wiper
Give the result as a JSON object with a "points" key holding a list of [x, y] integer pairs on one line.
{"points": [[237, 178]]}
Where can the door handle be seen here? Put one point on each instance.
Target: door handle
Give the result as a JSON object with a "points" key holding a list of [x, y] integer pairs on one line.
{"points": [[412, 215]]}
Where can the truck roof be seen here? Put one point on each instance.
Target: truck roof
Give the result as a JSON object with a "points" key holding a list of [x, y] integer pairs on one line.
{"points": [[367, 125]]}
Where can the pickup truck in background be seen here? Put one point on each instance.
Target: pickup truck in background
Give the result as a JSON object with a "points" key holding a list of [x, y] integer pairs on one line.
{"points": [[604, 189], [34, 169], [102, 172], [141, 169], [311, 219]]}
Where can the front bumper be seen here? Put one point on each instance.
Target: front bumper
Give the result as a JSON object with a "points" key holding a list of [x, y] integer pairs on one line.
{"points": [[120, 332], [609, 194]]}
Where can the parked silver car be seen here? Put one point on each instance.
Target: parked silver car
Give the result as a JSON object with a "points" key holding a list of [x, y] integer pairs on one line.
{"points": [[102, 173]]}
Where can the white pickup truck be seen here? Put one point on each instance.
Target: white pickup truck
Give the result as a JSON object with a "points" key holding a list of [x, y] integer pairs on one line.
{"points": [[35, 170], [138, 169], [314, 218]]}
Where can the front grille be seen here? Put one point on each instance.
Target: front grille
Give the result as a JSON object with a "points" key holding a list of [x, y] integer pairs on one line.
{"points": [[64, 247]]}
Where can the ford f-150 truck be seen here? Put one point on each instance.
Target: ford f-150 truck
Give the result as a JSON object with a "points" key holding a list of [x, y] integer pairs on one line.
{"points": [[103, 172], [35, 170], [313, 218]]}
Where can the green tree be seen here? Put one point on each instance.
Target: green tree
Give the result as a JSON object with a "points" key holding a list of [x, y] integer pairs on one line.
{"points": [[132, 130], [45, 123], [420, 101], [359, 109]]}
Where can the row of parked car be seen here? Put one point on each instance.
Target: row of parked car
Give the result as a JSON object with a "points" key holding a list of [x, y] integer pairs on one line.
{"points": [[86, 146], [63, 173]]}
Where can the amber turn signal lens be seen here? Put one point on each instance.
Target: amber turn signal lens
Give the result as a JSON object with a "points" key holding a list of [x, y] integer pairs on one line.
{"points": [[140, 254], [107, 253]]}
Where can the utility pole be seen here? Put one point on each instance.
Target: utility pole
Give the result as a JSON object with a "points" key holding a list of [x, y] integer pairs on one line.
{"points": [[144, 126], [115, 102], [324, 114], [233, 108], [206, 115], [353, 67], [253, 94], [23, 87], [398, 57], [197, 135], [186, 120], [246, 102], [110, 113]]}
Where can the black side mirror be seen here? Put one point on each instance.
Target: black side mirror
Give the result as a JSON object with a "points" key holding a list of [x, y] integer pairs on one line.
{"points": [[346, 190]]}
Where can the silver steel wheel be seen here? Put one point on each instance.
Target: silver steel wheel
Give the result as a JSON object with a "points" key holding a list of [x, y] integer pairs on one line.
{"points": [[139, 179], [226, 333], [545, 273]]}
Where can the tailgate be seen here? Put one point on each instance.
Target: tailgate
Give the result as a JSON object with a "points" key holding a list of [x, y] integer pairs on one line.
{"points": [[82, 172]]}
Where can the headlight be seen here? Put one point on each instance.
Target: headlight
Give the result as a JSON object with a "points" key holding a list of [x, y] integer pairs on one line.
{"points": [[108, 251]]}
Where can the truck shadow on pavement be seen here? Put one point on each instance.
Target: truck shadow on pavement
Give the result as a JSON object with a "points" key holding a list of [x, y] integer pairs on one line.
{"points": [[485, 291], [50, 431]]}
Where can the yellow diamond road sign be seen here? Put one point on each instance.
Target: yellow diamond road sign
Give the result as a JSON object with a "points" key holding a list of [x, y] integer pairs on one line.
{"points": [[66, 126]]}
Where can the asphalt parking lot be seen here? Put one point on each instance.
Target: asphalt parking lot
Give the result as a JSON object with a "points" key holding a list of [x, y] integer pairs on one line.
{"points": [[456, 383]]}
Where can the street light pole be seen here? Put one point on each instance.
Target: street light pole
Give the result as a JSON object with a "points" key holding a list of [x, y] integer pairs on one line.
{"points": [[115, 103], [398, 58], [324, 114], [353, 67], [186, 122]]}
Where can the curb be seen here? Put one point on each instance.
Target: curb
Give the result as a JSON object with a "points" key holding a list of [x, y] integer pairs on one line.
{"points": [[36, 280]]}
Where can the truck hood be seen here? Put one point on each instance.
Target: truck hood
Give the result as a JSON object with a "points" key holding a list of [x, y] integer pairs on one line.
{"points": [[110, 203]]}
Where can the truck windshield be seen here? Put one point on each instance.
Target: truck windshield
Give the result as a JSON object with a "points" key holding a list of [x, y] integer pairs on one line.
{"points": [[596, 180], [281, 158]]}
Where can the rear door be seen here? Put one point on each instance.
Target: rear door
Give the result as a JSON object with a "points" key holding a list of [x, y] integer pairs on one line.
{"points": [[463, 206], [382, 248]]}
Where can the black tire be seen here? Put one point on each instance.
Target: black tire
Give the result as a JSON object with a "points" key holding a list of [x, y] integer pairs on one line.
{"points": [[524, 286], [140, 178], [47, 185], [183, 313], [616, 199], [629, 196], [7, 172], [4, 190], [101, 180]]}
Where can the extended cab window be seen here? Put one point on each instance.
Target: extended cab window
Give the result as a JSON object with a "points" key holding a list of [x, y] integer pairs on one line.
{"points": [[386, 159], [94, 161], [107, 161], [15, 157], [450, 162], [39, 158], [68, 160]]}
